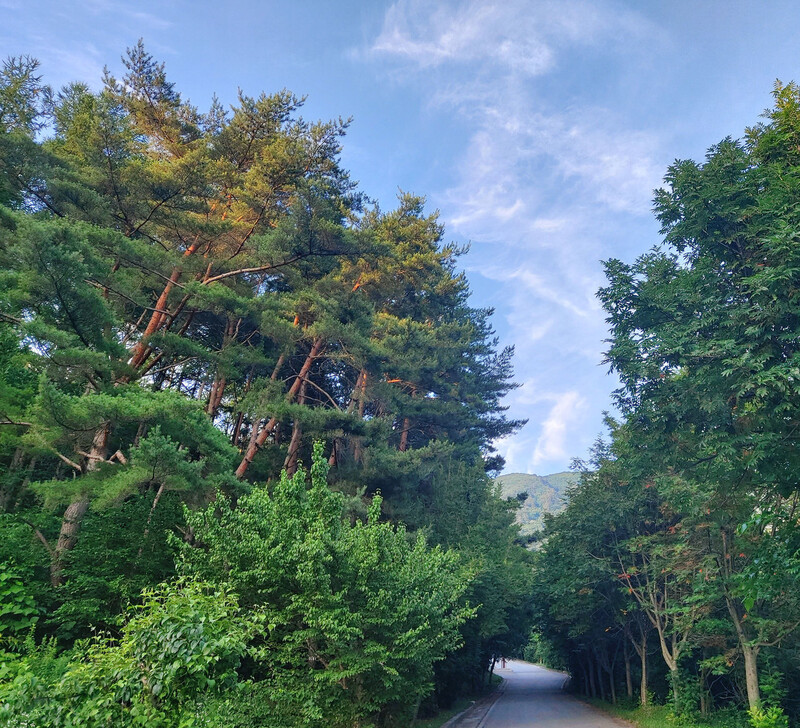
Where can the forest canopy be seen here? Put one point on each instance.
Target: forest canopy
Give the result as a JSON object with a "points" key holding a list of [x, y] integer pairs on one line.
{"points": [[192, 305], [676, 563]]}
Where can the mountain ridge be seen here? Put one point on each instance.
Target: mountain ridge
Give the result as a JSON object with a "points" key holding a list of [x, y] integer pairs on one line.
{"points": [[538, 494]]}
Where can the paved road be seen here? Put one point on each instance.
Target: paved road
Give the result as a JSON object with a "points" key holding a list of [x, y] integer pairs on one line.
{"points": [[533, 698]]}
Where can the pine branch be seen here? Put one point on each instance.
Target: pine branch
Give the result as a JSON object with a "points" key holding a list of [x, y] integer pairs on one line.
{"points": [[41, 537]]}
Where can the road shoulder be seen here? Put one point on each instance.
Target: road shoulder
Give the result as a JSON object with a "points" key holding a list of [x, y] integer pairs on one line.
{"points": [[475, 715]]}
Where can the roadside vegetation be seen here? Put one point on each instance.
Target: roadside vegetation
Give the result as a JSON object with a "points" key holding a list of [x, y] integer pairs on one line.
{"points": [[246, 424], [673, 575]]}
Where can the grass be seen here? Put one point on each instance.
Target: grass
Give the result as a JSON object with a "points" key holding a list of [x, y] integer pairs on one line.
{"points": [[654, 716], [660, 716]]}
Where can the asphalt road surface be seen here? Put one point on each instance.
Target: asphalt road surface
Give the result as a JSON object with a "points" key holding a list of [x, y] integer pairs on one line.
{"points": [[534, 698]]}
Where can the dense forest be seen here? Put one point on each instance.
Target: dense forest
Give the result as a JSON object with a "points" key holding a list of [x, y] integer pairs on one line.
{"points": [[674, 572], [246, 424]]}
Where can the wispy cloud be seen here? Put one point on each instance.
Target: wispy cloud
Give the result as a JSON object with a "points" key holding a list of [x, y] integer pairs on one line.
{"points": [[83, 64], [474, 31], [119, 9], [517, 34], [524, 165], [74, 44], [541, 187], [552, 443], [547, 447]]}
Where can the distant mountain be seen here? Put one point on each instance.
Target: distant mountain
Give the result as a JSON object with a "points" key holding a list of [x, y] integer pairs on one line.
{"points": [[539, 494]]}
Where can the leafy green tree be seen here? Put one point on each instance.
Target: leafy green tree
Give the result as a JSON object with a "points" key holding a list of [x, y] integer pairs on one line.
{"points": [[689, 504], [188, 300], [354, 614], [704, 340], [183, 642]]}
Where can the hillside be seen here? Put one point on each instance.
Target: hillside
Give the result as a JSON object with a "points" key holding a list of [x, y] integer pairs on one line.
{"points": [[545, 495]]}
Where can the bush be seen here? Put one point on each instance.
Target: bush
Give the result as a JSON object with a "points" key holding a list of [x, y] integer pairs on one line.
{"points": [[183, 643], [355, 614], [771, 717]]}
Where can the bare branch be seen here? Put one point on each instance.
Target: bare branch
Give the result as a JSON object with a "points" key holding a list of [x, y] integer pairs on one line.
{"points": [[42, 538], [8, 421], [256, 269], [65, 459]]}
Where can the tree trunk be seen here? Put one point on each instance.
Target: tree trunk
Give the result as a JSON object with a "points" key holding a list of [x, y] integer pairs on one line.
{"points": [[613, 673], [673, 677], [290, 464], [76, 510], [628, 677], [643, 684], [7, 493], [146, 531], [585, 678], [406, 427], [237, 428], [640, 647], [216, 394], [334, 458], [258, 438], [68, 535], [590, 671], [751, 675], [142, 349], [362, 396], [601, 690], [220, 380], [404, 435], [671, 654], [749, 652], [27, 480]]}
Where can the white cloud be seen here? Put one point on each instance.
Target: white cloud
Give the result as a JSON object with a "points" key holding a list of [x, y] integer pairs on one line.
{"points": [[552, 443], [544, 182], [121, 9], [537, 286], [516, 154], [546, 443], [429, 36], [519, 35], [548, 224], [78, 64]]}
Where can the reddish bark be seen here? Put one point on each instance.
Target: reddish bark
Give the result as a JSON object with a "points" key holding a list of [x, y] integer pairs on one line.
{"points": [[259, 437], [142, 350], [220, 381], [290, 464], [404, 435], [362, 398], [354, 396]]}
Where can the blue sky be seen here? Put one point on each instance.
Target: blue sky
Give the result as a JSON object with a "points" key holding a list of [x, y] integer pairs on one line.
{"points": [[538, 129]]}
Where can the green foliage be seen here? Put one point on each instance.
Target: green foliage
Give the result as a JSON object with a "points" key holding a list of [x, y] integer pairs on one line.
{"points": [[660, 716], [772, 717], [354, 614], [681, 539], [18, 610], [188, 301], [183, 642], [122, 551]]}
